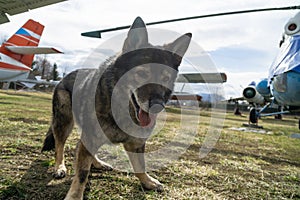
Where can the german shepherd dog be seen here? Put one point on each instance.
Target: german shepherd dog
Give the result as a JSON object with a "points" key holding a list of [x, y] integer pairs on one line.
{"points": [[148, 86]]}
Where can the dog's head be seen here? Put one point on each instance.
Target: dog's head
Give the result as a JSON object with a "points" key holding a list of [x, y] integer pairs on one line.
{"points": [[153, 70]]}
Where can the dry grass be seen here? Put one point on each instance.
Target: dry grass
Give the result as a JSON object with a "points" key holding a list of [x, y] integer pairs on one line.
{"points": [[242, 165]]}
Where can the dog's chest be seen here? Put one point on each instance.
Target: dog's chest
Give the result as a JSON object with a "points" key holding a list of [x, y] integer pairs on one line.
{"points": [[121, 133], [112, 131]]}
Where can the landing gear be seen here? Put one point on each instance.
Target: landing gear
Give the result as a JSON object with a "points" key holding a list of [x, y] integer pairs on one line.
{"points": [[253, 118], [237, 109], [279, 116]]}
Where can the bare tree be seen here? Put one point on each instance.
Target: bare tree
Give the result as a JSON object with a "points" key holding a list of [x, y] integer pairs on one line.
{"points": [[42, 67]]}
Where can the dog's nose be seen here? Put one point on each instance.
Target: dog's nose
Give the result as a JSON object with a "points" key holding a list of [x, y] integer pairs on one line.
{"points": [[156, 106]]}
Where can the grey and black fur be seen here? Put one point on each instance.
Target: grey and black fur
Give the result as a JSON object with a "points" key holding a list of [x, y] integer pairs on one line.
{"points": [[144, 62]]}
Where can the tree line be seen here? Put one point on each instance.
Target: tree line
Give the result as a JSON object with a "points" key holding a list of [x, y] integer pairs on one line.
{"points": [[42, 67]]}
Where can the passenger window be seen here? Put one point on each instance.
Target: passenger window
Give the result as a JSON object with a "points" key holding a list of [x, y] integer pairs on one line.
{"points": [[280, 82]]}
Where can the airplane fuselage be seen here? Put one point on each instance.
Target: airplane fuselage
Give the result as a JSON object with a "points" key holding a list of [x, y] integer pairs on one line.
{"points": [[282, 87], [285, 88]]}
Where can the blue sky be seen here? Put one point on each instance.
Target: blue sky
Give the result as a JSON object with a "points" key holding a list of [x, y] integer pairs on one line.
{"points": [[243, 46], [237, 58]]}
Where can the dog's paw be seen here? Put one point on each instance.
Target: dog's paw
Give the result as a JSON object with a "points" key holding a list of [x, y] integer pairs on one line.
{"points": [[101, 165], [151, 183], [60, 173]]}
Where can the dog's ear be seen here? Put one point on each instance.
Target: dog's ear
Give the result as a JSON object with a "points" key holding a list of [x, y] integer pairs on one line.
{"points": [[179, 47], [137, 36]]}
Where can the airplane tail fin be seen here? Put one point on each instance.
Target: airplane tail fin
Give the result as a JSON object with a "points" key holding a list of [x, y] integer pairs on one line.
{"points": [[28, 35]]}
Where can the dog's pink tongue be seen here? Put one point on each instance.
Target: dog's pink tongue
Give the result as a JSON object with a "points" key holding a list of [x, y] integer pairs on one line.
{"points": [[146, 119]]}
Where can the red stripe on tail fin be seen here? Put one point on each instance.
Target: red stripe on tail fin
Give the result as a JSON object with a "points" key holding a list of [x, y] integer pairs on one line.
{"points": [[28, 35]]}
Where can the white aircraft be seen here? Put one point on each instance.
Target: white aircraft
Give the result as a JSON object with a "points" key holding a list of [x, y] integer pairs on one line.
{"points": [[281, 88]]}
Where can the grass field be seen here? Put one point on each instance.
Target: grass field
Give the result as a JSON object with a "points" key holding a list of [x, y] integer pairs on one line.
{"points": [[242, 165]]}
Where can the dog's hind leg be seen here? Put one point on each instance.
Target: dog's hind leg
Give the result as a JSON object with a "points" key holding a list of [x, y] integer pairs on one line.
{"points": [[82, 168], [62, 125], [136, 157]]}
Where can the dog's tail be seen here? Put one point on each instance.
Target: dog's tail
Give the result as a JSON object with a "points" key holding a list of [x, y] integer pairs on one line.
{"points": [[49, 142]]}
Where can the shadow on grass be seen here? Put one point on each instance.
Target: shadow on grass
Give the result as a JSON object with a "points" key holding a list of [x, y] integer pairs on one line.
{"points": [[268, 158], [38, 183], [34, 184], [284, 121], [114, 185]]}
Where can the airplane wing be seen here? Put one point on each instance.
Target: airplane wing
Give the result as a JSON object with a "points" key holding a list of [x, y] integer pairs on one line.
{"points": [[32, 50], [232, 99], [39, 82], [13, 7], [202, 78]]}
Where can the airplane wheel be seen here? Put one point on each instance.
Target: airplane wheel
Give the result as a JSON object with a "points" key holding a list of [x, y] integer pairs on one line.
{"points": [[253, 116]]}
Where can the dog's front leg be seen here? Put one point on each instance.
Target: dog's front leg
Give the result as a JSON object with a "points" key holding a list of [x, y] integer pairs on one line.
{"points": [[82, 168], [136, 157]]}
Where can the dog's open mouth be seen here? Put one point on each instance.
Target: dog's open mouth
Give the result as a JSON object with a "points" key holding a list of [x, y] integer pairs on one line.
{"points": [[145, 119]]}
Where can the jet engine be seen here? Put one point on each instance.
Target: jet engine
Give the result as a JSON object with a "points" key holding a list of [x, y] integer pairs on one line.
{"points": [[263, 88], [252, 96]]}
